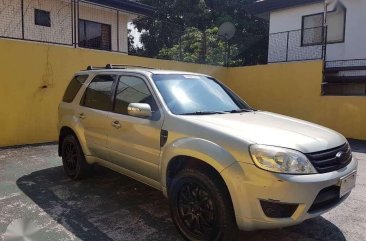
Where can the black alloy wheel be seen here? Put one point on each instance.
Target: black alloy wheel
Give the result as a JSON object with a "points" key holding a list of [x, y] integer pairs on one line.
{"points": [[201, 207], [73, 159], [196, 209]]}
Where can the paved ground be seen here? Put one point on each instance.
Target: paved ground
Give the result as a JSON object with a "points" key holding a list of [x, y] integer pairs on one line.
{"points": [[110, 206]]}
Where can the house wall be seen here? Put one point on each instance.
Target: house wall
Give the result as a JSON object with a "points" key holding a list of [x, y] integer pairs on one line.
{"points": [[61, 21], [109, 16], [291, 19], [10, 19], [34, 77]]}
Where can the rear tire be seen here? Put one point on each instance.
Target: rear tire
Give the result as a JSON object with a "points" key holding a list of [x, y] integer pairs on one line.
{"points": [[73, 159], [201, 207]]}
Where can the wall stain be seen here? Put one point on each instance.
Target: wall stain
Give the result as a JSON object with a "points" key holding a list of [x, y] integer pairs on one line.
{"points": [[47, 78]]}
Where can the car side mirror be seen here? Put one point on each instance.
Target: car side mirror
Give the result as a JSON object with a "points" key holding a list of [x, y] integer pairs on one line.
{"points": [[141, 110]]}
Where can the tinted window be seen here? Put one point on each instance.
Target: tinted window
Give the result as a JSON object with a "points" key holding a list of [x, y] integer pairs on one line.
{"points": [[74, 87], [132, 89], [185, 94], [98, 95], [42, 18], [94, 35]]}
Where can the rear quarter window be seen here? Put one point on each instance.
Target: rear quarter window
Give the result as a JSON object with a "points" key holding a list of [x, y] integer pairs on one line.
{"points": [[74, 87]]}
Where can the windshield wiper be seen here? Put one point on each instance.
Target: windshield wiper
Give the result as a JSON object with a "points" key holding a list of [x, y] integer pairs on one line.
{"points": [[204, 113], [240, 110]]}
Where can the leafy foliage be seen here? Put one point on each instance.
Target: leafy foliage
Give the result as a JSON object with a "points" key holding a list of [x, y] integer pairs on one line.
{"points": [[186, 30], [189, 49]]}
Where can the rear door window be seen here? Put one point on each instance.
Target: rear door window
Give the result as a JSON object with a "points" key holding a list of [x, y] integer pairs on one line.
{"points": [[74, 87], [98, 95]]}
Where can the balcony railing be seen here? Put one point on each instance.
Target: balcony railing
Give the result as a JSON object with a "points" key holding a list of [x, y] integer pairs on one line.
{"points": [[297, 45]]}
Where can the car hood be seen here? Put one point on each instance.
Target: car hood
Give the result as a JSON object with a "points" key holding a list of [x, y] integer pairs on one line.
{"points": [[272, 129]]}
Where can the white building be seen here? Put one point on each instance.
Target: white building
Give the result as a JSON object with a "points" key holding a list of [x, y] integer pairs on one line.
{"points": [[345, 20], [97, 24], [297, 33]]}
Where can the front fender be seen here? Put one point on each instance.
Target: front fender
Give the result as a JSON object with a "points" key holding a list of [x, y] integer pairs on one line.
{"points": [[204, 150]]}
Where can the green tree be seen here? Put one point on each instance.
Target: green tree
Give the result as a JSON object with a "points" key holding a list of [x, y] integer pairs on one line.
{"points": [[189, 49], [195, 23]]}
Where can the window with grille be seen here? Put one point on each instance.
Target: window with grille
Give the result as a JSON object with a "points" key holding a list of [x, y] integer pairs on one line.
{"points": [[94, 35], [312, 27], [42, 18]]}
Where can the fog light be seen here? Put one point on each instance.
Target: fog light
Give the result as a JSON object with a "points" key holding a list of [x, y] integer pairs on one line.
{"points": [[278, 210]]}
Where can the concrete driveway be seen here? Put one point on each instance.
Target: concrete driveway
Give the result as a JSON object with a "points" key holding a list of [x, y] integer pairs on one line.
{"points": [[110, 206]]}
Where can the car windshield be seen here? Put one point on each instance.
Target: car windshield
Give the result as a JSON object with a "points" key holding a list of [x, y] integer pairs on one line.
{"points": [[197, 95]]}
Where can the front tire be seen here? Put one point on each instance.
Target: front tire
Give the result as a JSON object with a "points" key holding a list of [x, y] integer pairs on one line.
{"points": [[201, 207], [73, 159]]}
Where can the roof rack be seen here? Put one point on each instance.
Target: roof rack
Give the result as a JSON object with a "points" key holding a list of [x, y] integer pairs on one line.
{"points": [[125, 66], [117, 66], [93, 68]]}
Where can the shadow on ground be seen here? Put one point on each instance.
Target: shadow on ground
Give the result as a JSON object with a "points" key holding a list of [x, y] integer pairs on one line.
{"points": [[357, 145], [110, 206]]}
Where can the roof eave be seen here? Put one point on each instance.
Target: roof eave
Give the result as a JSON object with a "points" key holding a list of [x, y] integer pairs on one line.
{"points": [[128, 6], [267, 6]]}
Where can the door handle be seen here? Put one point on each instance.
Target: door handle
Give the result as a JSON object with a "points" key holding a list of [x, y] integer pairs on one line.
{"points": [[116, 124], [82, 116]]}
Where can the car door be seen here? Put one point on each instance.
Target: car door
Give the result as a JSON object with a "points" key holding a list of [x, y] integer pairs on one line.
{"points": [[134, 142], [95, 106]]}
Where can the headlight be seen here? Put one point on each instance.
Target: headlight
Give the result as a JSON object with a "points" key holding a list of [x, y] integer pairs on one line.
{"points": [[281, 160]]}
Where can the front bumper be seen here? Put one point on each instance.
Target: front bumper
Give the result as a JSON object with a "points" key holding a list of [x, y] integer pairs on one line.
{"points": [[248, 185]]}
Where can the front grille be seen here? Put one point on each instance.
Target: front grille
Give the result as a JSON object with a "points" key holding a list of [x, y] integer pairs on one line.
{"points": [[331, 159]]}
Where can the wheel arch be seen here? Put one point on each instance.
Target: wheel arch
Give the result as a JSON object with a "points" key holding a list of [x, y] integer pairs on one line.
{"points": [[199, 154], [180, 163], [65, 131], [193, 153]]}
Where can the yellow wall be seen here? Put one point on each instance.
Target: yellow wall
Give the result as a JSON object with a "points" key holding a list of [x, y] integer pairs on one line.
{"points": [[294, 89], [28, 112]]}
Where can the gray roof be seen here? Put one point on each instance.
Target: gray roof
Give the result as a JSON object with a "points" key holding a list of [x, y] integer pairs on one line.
{"points": [[130, 6], [266, 6]]}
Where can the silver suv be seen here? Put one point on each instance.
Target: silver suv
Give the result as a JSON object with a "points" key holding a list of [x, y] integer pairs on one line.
{"points": [[223, 165]]}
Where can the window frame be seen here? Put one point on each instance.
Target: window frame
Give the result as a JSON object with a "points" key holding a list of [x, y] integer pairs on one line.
{"points": [[239, 101], [113, 89], [303, 28], [143, 78], [90, 21], [36, 20], [328, 42], [344, 27], [114, 92]]}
